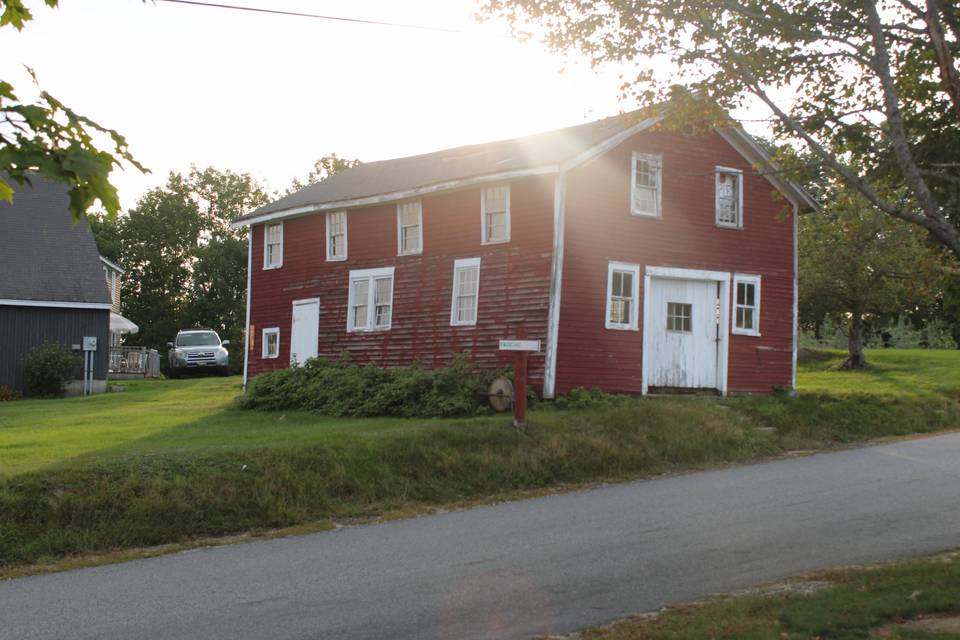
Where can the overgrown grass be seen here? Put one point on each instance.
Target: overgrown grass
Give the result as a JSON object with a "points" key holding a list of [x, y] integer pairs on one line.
{"points": [[171, 461], [865, 602]]}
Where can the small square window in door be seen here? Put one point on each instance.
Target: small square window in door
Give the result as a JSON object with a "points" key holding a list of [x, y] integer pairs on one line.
{"points": [[679, 316]]}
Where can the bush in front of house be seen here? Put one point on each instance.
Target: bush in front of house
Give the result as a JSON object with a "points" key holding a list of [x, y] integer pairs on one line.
{"points": [[47, 369], [343, 388], [8, 394]]}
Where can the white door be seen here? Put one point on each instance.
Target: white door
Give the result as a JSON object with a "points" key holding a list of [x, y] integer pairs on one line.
{"points": [[683, 334], [305, 332]]}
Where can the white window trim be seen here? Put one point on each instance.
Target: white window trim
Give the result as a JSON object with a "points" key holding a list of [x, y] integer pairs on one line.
{"points": [[371, 275], [716, 197], [279, 264], [483, 215], [263, 346], [634, 269], [657, 158], [345, 236], [400, 251], [457, 266], [746, 279]]}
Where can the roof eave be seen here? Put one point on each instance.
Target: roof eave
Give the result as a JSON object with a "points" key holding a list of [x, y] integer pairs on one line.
{"points": [[394, 196]]}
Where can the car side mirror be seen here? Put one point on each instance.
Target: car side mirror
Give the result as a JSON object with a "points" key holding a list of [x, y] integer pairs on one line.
{"points": [[225, 342], [169, 344]]}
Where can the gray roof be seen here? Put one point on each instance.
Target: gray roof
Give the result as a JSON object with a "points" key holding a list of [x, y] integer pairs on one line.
{"points": [[400, 174], [44, 255]]}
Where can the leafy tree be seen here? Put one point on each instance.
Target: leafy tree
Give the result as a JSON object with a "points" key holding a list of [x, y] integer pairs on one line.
{"points": [[858, 262], [184, 265], [877, 91], [51, 139], [322, 169]]}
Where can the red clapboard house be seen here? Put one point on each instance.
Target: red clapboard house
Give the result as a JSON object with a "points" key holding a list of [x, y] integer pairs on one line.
{"points": [[643, 259]]}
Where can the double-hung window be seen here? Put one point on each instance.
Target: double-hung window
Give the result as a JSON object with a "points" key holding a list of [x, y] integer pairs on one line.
{"points": [[409, 228], [495, 214], [746, 305], [273, 245], [729, 197], [337, 235], [466, 292], [370, 301], [271, 342], [623, 293], [645, 185]]}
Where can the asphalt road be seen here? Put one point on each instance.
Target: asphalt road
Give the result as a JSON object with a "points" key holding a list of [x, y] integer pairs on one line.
{"points": [[547, 565]]}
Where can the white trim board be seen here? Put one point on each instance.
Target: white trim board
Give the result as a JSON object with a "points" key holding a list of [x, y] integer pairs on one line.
{"points": [[246, 333], [723, 277], [556, 283], [55, 304]]}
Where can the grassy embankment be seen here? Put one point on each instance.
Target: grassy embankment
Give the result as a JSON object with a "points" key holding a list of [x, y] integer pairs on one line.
{"points": [[173, 461], [908, 600]]}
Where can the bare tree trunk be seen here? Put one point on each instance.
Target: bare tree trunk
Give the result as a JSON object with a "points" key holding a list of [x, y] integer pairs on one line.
{"points": [[856, 359]]}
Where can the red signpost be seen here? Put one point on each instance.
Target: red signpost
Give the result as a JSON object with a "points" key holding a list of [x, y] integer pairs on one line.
{"points": [[522, 350]]}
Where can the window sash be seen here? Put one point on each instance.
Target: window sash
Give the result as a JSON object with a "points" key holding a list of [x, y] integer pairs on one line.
{"points": [[746, 305], [680, 317], [466, 292], [729, 198], [409, 228], [337, 235], [646, 181], [495, 214], [623, 285], [272, 245], [370, 306], [271, 343]]}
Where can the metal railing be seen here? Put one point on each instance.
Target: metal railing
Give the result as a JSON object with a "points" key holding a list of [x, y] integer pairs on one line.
{"points": [[135, 360]]}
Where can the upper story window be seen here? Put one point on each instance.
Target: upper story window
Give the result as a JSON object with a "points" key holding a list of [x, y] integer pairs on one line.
{"points": [[337, 235], [271, 342], [746, 290], [623, 292], [409, 228], [645, 185], [495, 214], [729, 197], [273, 245], [370, 304], [466, 292]]}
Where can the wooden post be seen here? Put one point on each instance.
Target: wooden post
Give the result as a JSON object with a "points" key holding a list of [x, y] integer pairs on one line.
{"points": [[520, 389]]}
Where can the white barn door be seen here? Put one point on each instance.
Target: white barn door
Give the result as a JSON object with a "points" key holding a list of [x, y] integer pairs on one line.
{"points": [[305, 332], [683, 334]]}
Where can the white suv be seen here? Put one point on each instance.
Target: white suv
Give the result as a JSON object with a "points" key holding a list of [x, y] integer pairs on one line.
{"points": [[198, 350]]}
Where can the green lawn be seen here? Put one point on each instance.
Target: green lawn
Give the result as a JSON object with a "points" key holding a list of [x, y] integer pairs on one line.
{"points": [[157, 416], [175, 461], [908, 600]]}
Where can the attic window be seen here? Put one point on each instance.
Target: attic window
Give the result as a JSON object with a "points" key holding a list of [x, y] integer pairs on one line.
{"points": [[645, 185], [729, 197], [409, 228], [273, 246], [337, 235], [495, 214]]}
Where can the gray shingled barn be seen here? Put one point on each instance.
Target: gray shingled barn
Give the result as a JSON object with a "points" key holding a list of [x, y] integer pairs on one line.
{"points": [[52, 287]]}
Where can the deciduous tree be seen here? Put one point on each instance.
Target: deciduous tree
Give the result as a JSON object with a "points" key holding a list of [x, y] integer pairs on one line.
{"points": [[869, 87]]}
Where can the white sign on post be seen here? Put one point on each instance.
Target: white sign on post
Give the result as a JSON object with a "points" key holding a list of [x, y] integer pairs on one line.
{"points": [[89, 343], [520, 345]]}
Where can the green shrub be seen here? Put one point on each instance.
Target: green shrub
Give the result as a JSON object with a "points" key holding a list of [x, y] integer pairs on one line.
{"points": [[7, 394], [343, 388], [47, 369]]}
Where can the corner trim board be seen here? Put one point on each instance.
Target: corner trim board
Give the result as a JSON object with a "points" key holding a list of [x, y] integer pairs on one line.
{"points": [[556, 285]]}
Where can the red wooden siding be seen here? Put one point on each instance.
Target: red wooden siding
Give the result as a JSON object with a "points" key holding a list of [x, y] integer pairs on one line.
{"points": [[513, 295], [600, 228]]}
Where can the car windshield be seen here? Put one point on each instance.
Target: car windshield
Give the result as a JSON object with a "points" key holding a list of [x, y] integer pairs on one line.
{"points": [[200, 339]]}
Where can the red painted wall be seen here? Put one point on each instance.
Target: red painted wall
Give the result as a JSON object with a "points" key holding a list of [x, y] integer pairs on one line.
{"points": [[599, 228], [514, 281]]}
